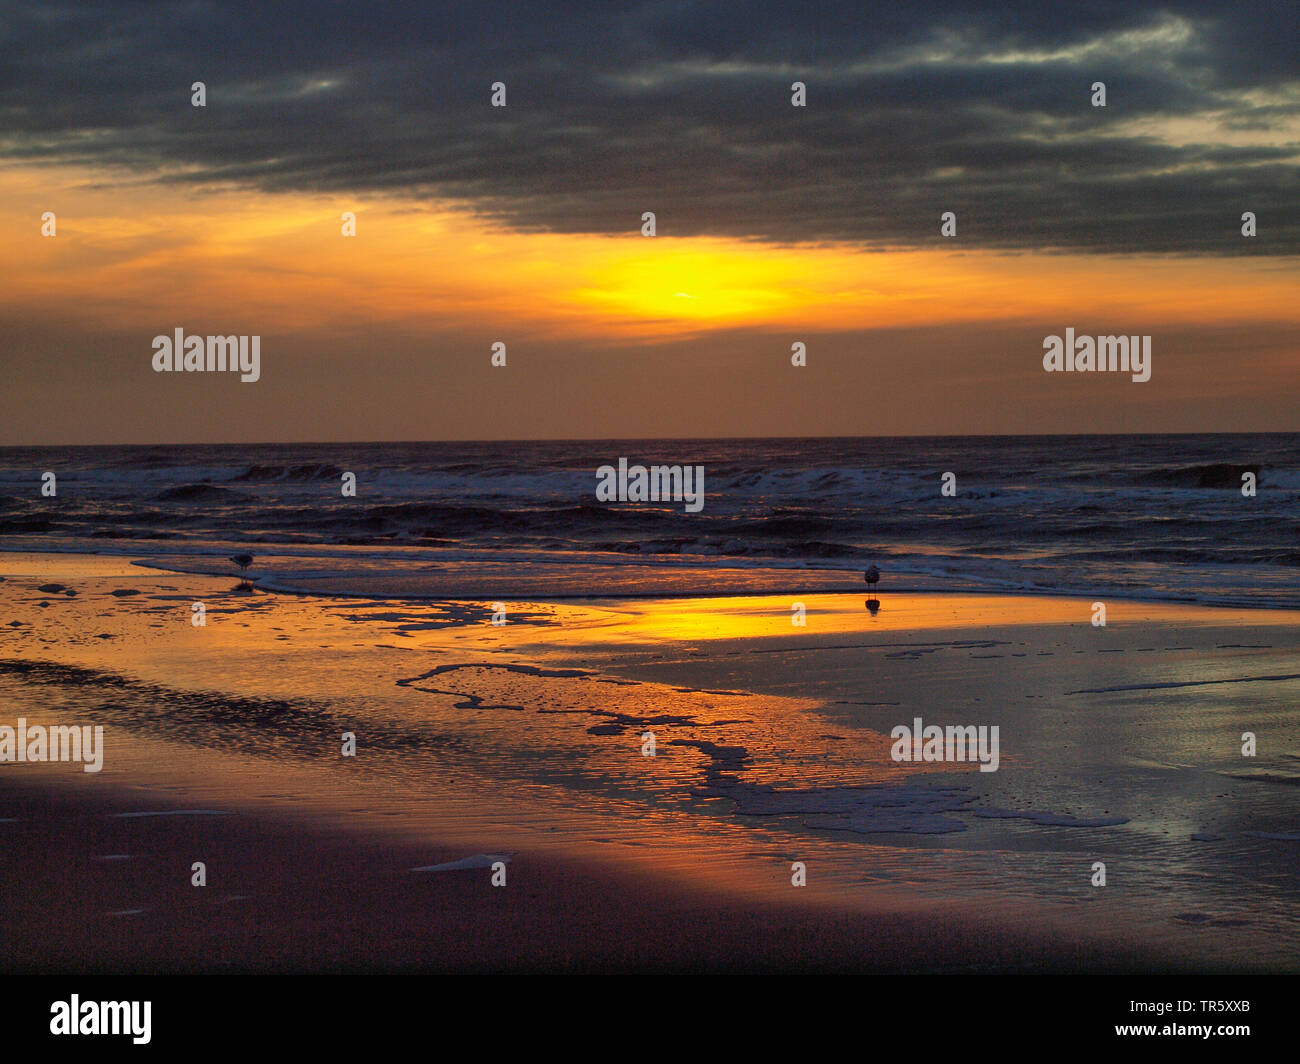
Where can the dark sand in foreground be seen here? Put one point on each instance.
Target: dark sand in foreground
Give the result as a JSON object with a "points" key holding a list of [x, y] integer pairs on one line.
{"points": [[282, 898]]}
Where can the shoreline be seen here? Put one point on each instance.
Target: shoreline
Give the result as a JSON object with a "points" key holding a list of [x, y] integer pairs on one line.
{"points": [[667, 564], [523, 740]]}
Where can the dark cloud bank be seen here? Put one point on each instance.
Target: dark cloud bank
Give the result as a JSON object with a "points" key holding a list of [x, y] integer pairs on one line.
{"points": [[684, 109]]}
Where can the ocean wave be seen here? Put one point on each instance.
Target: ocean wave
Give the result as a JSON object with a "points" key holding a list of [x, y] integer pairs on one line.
{"points": [[264, 473], [199, 493], [1218, 475], [1143, 514]]}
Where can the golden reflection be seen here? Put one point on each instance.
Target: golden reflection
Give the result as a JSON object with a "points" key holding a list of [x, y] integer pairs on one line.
{"points": [[769, 616]]}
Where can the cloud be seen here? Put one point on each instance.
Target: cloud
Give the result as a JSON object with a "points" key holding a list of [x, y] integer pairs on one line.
{"points": [[913, 109]]}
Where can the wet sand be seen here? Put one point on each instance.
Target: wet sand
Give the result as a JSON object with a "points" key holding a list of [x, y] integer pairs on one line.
{"points": [[88, 891], [525, 739]]}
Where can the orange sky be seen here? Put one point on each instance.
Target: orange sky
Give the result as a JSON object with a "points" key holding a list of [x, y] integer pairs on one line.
{"points": [[149, 255], [137, 259]]}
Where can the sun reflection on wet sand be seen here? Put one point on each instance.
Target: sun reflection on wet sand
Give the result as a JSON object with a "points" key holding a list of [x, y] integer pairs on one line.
{"points": [[771, 740]]}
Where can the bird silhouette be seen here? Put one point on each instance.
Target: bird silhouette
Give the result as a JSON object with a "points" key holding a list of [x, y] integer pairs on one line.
{"points": [[242, 560], [872, 577]]}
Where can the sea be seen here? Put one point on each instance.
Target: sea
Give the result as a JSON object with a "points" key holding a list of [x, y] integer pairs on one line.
{"points": [[1211, 518], [1121, 745]]}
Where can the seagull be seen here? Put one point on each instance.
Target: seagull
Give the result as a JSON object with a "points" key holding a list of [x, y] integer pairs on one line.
{"points": [[242, 560], [872, 576]]}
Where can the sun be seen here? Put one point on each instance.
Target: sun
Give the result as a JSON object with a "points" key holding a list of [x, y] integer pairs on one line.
{"points": [[712, 282]]}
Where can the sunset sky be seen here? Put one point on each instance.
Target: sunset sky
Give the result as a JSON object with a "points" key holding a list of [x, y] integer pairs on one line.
{"points": [[522, 224]]}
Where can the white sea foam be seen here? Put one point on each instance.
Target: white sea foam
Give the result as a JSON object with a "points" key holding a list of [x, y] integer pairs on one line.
{"points": [[178, 812], [1054, 820], [479, 860]]}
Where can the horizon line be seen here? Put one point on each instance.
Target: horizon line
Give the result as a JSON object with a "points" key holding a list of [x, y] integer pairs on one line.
{"points": [[659, 439]]}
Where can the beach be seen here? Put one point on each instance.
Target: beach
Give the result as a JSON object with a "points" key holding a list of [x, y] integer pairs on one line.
{"points": [[649, 489], [287, 897], [526, 742]]}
